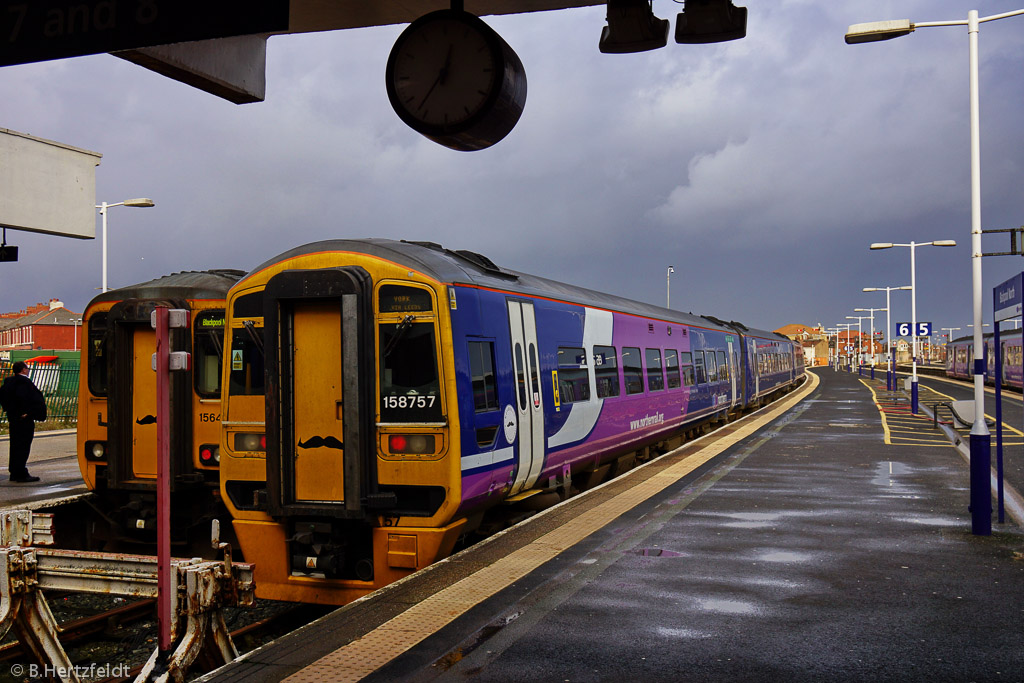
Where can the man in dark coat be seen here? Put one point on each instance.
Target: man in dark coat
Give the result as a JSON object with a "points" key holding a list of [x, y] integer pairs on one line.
{"points": [[24, 405]]}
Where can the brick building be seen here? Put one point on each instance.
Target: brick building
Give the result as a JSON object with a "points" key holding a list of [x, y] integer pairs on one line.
{"points": [[47, 326]]}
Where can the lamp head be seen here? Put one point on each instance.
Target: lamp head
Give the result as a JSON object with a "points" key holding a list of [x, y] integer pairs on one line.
{"points": [[881, 245], [143, 202], [944, 243], [878, 30], [632, 27]]}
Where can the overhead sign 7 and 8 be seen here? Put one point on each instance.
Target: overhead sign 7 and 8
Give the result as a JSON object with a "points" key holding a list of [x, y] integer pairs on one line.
{"points": [[923, 329]]}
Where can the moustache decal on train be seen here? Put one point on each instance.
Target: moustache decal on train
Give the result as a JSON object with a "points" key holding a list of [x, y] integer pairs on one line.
{"points": [[322, 442], [147, 420]]}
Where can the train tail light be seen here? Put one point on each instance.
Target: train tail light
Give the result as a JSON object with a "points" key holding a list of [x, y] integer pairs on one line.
{"points": [[209, 454], [413, 444], [95, 450], [250, 442]]}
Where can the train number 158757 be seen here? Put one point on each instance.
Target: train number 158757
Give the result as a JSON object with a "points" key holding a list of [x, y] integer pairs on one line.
{"points": [[409, 401]]}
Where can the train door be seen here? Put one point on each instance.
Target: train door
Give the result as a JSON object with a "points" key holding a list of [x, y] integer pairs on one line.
{"points": [[317, 451], [143, 401], [319, 369], [733, 366], [529, 401]]}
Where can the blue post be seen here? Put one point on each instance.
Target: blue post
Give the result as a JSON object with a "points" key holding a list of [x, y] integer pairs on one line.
{"points": [[981, 486], [913, 396]]}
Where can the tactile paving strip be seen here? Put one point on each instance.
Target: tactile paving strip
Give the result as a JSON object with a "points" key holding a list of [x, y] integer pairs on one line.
{"points": [[378, 647]]}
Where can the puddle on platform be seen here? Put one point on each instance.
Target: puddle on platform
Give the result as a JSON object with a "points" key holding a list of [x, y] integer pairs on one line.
{"points": [[886, 471], [723, 606], [786, 556], [690, 633]]}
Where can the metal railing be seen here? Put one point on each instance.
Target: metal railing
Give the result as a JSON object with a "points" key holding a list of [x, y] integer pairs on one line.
{"points": [[59, 384]]}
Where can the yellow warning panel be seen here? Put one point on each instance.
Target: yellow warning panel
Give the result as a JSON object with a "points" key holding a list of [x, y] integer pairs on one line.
{"points": [[143, 415]]}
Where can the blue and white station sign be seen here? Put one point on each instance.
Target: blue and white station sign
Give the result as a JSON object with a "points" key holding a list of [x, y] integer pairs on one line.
{"points": [[1007, 298]]}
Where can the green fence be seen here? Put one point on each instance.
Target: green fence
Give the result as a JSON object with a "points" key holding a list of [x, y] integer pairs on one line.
{"points": [[59, 384]]}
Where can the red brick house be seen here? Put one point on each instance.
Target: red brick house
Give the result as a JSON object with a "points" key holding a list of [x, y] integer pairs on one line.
{"points": [[42, 326]]}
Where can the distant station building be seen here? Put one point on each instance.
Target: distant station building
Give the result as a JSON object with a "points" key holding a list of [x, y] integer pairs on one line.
{"points": [[41, 329]]}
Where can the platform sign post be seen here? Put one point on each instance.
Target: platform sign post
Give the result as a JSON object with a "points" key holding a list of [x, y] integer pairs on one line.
{"points": [[1007, 300], [164, 361]]}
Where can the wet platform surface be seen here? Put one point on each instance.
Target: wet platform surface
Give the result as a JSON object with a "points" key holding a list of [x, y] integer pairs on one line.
{"points": [[810, 549]]}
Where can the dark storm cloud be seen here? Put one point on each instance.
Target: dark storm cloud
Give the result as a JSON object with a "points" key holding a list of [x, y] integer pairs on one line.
{"points": [[761, 169]]}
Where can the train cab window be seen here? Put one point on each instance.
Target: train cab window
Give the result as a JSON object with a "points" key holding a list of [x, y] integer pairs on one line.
{"points": [[711, 365], [698, 367], [686, 362], [723, 367], [97, 362], [246, 376], [410, 390], [573, 375], [481, 368], [672, 369], [208, 352], [632, 370], [655, 377], [249, 305], [606, 371]]}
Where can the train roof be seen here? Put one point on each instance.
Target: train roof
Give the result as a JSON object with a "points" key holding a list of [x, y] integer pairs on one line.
{"points": [[192, 284], [463, 267]]}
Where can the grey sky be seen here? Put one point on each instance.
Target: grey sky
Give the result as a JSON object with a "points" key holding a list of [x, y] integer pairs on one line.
{"points": [[761, 169]]}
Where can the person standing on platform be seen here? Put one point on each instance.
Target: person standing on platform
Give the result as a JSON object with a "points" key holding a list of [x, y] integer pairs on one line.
{"points": [[24, 405]]}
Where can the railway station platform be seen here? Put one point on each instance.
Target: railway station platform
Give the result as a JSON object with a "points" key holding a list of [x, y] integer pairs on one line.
{"points": [[803, 543]]}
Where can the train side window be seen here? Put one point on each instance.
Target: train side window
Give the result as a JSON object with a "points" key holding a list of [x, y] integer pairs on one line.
{"points": [[723, 367], [711, 365], [686, 361], [485, 384], [208, 352], [672, 369], [698, 366], [632, 370], [606, 371], [97, 362], [573, 375], [655, 377]]}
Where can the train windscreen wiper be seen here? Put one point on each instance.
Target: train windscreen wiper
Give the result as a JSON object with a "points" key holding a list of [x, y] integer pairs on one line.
{"points": [[400, 331], [257, 341]]}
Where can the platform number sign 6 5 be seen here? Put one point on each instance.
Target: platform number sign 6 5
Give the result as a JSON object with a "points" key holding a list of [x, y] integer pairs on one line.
{"points": [[923, 329]]}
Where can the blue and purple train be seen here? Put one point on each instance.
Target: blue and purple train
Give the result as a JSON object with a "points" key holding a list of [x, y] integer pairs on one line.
{"points": [[383, 399], [960, 358]]}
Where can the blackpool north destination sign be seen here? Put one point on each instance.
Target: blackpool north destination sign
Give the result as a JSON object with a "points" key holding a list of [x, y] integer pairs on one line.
{"points": [[40, 30]]}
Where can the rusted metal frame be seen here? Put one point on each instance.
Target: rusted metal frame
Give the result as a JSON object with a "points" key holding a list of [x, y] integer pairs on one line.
{"points": [[25, 528]]}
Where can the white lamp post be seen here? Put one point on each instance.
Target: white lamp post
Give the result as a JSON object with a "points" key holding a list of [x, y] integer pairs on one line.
{"points": [[668, 286], [872, 318], [890, 369], [860, 339], [913, 303], [847, 326], [981, 439], [141, 203]]}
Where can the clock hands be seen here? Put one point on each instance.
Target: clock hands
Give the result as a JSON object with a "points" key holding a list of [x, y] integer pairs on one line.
{"points": [[442, 76]]}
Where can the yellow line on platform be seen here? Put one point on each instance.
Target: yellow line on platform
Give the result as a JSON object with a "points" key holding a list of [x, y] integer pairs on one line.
{"points": [[378, 647]]}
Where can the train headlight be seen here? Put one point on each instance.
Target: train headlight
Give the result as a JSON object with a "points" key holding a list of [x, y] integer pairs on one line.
{"points": [[413, 444], [209, 454], [95, 450], [250, 442]]}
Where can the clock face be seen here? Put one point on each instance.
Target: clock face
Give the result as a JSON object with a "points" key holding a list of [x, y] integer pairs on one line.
{"points": [[453, 79], [445, 72]]}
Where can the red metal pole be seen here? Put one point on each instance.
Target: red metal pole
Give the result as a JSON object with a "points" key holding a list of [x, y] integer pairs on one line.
{"points": [[163, 478]]}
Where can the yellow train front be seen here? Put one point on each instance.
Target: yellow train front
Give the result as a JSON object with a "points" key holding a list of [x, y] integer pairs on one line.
{"points": [[383, 398], [117, 430]]}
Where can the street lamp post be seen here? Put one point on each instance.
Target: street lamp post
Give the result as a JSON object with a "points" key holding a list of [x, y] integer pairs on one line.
{"points": [[860, 339], [913, 303], [668, 286], [981, 439], [140, 203], [872, 318], [849, 367], [890, 369]]}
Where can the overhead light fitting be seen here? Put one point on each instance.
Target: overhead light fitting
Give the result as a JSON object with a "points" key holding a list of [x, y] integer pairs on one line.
{"points": [[632, 27], [710, 21]]}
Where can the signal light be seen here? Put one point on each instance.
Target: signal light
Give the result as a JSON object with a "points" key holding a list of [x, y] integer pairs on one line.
{"points": [[250, 442], [209, 454], [95, 450], [413, 444]]}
